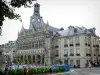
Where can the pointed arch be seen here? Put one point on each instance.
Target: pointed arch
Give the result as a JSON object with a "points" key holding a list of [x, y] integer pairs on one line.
{"points": [[29, 59], [38, 59], [33, 58]]}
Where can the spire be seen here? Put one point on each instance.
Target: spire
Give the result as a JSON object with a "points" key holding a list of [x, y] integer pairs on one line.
{"points": [[18, 32], [22, 29], [47, 22]]}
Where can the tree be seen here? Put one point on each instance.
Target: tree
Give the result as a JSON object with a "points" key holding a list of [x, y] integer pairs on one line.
{"points": [[7, 8]]}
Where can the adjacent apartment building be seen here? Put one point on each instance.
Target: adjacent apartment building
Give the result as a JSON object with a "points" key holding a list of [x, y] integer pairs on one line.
{"points": [[74, 46]]}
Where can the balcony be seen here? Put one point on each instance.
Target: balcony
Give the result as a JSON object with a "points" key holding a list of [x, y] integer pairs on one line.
{"points": [[71, 44], [88, 44], [65, 54], [94, 55], [56, 46], [98, 55], [66, 45], [56, 55], [85, 44], [71, 54], [77, 44], [93, 45], [77, 54], [97, 46], [87, 54]]}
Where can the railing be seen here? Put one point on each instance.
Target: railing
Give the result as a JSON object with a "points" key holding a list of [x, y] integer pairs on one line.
{"points": [[56, 55], [71, 44], [65, 54], [77, 54], [88, 54], [66, 45], [77, 44], [71, 54], [56, 46]]}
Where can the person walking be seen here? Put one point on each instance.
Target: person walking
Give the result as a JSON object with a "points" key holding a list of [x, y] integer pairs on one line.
{"points": [[25, 70], [6, 69], [90, 66]]}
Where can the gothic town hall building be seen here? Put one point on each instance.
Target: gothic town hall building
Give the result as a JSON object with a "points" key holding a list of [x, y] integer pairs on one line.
{"points": [[75, 46]]}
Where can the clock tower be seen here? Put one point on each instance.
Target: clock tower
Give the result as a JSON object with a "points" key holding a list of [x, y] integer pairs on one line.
{"points": [[36, 20], [37, 9]]}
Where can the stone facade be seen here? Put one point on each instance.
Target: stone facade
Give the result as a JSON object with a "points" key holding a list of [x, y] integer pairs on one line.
{"points": [[74, 46]]}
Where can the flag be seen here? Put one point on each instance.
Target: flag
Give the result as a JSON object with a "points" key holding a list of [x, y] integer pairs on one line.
{"points": [[45, 50]]}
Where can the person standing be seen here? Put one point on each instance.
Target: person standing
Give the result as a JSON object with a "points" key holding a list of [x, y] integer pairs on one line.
{"points": [[50, 70], [25, 70], [6, 69]]}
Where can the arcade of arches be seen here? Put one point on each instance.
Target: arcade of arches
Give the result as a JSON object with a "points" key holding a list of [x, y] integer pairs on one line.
{"points": [[31, 59]]}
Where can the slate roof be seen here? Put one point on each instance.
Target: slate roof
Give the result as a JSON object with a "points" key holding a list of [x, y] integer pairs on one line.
{"points": [[76, 30], [53, 29]]}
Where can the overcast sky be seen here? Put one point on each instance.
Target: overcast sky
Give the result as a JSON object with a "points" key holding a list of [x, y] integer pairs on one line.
{"points": [[59, 13]]}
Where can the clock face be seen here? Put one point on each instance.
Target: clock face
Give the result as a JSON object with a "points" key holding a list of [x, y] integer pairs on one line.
{"points": [[38, 20], [33, 20]]}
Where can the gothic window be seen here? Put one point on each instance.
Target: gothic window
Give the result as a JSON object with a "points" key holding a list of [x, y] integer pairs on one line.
{"points": [[40, 44], [32, 45]]}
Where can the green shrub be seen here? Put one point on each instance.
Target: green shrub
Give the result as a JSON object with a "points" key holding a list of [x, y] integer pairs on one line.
{"points": [[55, 70], [32, 71], [11, 72], [1, 72], [62, 69], [19, 72], [40, 70], [46, 70]]}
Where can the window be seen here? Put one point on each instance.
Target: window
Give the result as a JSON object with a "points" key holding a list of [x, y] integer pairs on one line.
{"points": [[78, 63], [65, 41], [71, 51], [77, 39], [65, 51], [56, 53], [77, 50], [71, 40], [72, 63]]}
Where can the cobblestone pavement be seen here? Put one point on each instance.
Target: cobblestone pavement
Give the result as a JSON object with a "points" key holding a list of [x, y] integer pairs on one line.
{"points": [[85, 71]]}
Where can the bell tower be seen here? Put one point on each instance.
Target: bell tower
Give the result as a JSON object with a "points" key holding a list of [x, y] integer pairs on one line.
{"points": [[37, 9]]}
